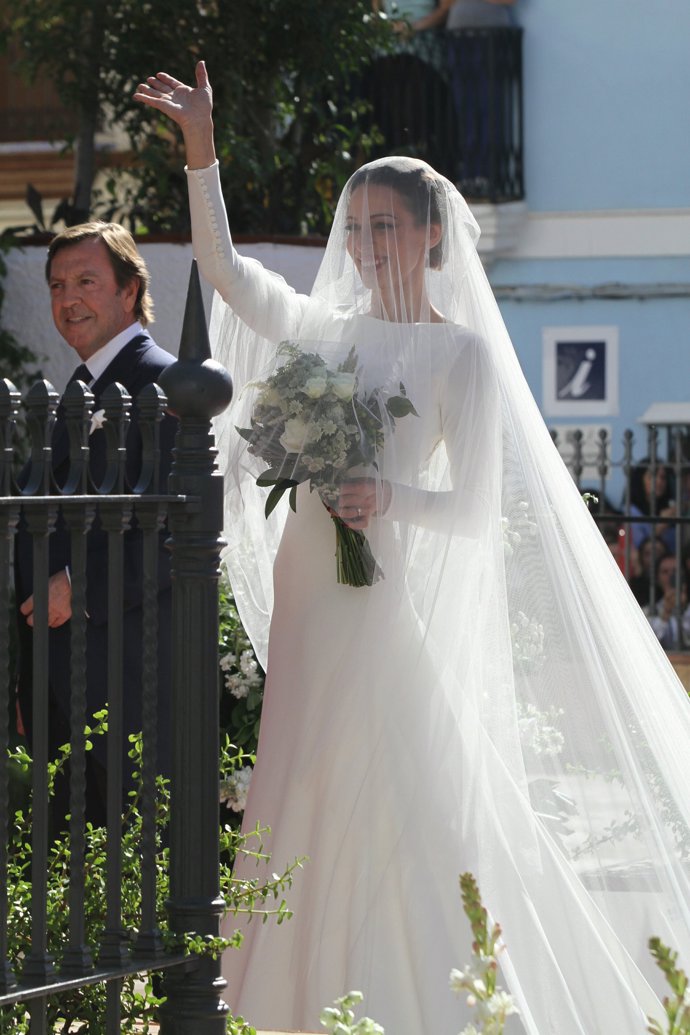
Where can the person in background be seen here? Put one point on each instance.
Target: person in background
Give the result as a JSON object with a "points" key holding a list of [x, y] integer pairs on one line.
{"points": [[645, 560], [101, 305], [649, 494], [469, 62], [670, 617], [414, 72]]}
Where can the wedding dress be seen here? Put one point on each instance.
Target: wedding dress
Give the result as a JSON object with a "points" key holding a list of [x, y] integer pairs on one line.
{"points": [[496, 702]]}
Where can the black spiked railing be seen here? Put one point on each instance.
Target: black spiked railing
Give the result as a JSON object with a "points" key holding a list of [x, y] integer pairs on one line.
{"points": [[82, 490], [198, 389], [9, 516]]}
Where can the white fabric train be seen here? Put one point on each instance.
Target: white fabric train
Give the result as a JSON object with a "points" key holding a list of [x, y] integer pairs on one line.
{"points": [[495, 703]]}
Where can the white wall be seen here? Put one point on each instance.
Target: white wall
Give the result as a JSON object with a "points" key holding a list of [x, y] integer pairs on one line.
{"points": [[26, 312]]}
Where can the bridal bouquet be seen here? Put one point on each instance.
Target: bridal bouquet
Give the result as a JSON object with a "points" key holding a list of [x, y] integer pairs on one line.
{"points": [[316, 424]]}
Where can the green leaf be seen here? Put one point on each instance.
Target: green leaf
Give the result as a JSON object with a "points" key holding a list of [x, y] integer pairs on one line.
{"points": [[276, 494], [269, 477], [293, 498], [400, 406]]}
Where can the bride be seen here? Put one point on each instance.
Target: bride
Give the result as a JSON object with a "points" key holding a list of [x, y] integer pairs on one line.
{"points": [[494, 701]]}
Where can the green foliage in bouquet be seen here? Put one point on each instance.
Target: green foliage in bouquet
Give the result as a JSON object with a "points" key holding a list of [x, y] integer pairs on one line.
{"points": [[311, 423], [83, 1010]]}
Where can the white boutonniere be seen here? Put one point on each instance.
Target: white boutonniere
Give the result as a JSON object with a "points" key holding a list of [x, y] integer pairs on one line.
{"points": [[97, 421]]}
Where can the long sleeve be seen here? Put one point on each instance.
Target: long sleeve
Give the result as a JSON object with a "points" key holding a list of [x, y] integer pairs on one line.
{"points": [[469, 419], [260, 298]]}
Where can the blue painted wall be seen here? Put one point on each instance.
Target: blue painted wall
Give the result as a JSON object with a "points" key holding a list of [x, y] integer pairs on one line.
{"points": [[606, 103], [607, 124]]}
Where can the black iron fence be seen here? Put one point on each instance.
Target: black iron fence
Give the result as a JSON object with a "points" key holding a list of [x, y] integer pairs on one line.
{"points": [[188, 512], [455, 99], [647, 524]]}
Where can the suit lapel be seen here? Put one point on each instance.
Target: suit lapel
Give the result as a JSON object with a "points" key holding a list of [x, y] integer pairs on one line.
{"points": [[118, 370], [121, 367]]}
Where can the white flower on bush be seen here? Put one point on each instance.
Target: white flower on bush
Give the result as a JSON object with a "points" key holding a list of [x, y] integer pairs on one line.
{"points": [[239, 683], [527, 635], [496, 1008], [539, 730], [511, 539], [516, 528], [479, 979], [228, 661], [295, 435], [339, 1019], [248, 663], [237, 686], [473, 978], [234, 790]]}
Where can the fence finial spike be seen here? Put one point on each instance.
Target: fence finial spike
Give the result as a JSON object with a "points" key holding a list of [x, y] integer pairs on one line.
{"points": [[194, 343]]}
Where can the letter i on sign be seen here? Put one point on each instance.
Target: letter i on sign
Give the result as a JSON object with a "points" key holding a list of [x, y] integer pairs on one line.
{"points": [[578, 385]]}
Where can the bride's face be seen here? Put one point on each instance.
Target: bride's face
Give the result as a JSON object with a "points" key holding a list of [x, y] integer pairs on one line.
{"points": [[387, 243]]}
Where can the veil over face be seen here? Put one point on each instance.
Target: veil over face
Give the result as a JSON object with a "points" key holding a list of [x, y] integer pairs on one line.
{"points": [[499, 686]]}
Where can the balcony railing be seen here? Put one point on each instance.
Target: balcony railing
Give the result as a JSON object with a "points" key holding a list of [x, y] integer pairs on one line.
{"points": [[455, 100]]}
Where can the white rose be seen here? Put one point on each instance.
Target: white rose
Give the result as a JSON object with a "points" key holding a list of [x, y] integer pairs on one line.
{"points": [[295, 435], [343, 385], [315, 387], [270, 397]]}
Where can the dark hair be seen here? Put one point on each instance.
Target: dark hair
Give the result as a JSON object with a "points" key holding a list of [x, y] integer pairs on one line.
{"points": [[419, 187], [660, 548], [124, 257], [638, 493], [660, 559]]}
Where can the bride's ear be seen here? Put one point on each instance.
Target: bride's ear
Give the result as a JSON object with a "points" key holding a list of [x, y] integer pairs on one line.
{"points": [[435, 246]]}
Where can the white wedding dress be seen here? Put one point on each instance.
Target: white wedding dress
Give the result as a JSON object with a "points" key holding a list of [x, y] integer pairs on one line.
{"points": [[347, 778], [484, 707]]}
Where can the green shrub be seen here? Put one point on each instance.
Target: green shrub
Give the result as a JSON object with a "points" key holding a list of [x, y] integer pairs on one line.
{"points": [[82, 1010]]}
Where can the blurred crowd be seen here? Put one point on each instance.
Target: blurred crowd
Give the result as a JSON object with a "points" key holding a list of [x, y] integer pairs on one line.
{"points": [[653, 549]]}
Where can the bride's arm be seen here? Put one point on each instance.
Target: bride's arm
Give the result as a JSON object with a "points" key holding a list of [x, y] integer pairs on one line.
{"points": [[260, 298], [469, 405], [471, 436]]}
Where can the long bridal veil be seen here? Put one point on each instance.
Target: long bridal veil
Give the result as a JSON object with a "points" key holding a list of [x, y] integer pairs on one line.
{"points": [[506, 668]]}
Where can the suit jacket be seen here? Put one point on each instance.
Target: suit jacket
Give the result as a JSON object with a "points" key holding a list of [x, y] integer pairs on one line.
{"points": [[139, 363]]}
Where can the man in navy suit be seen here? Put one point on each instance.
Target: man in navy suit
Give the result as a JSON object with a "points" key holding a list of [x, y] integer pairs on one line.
{"points": [[101, 306]]}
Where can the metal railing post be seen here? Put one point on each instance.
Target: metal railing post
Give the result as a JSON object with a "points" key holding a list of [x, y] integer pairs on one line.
{"points": [[197, 389]]}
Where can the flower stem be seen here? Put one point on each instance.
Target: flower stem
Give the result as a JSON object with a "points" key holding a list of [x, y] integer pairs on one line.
{"points": [[355, 562]]}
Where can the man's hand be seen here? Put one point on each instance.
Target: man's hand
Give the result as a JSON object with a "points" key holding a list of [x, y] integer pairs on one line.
{"points": [[59, 602]]}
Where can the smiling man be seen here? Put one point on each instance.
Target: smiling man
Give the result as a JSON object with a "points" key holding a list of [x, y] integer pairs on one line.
{"points": [[99, 292]]}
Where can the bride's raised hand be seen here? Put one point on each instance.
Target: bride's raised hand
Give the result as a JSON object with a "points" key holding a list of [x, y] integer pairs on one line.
{"points": [[188, 106]]}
